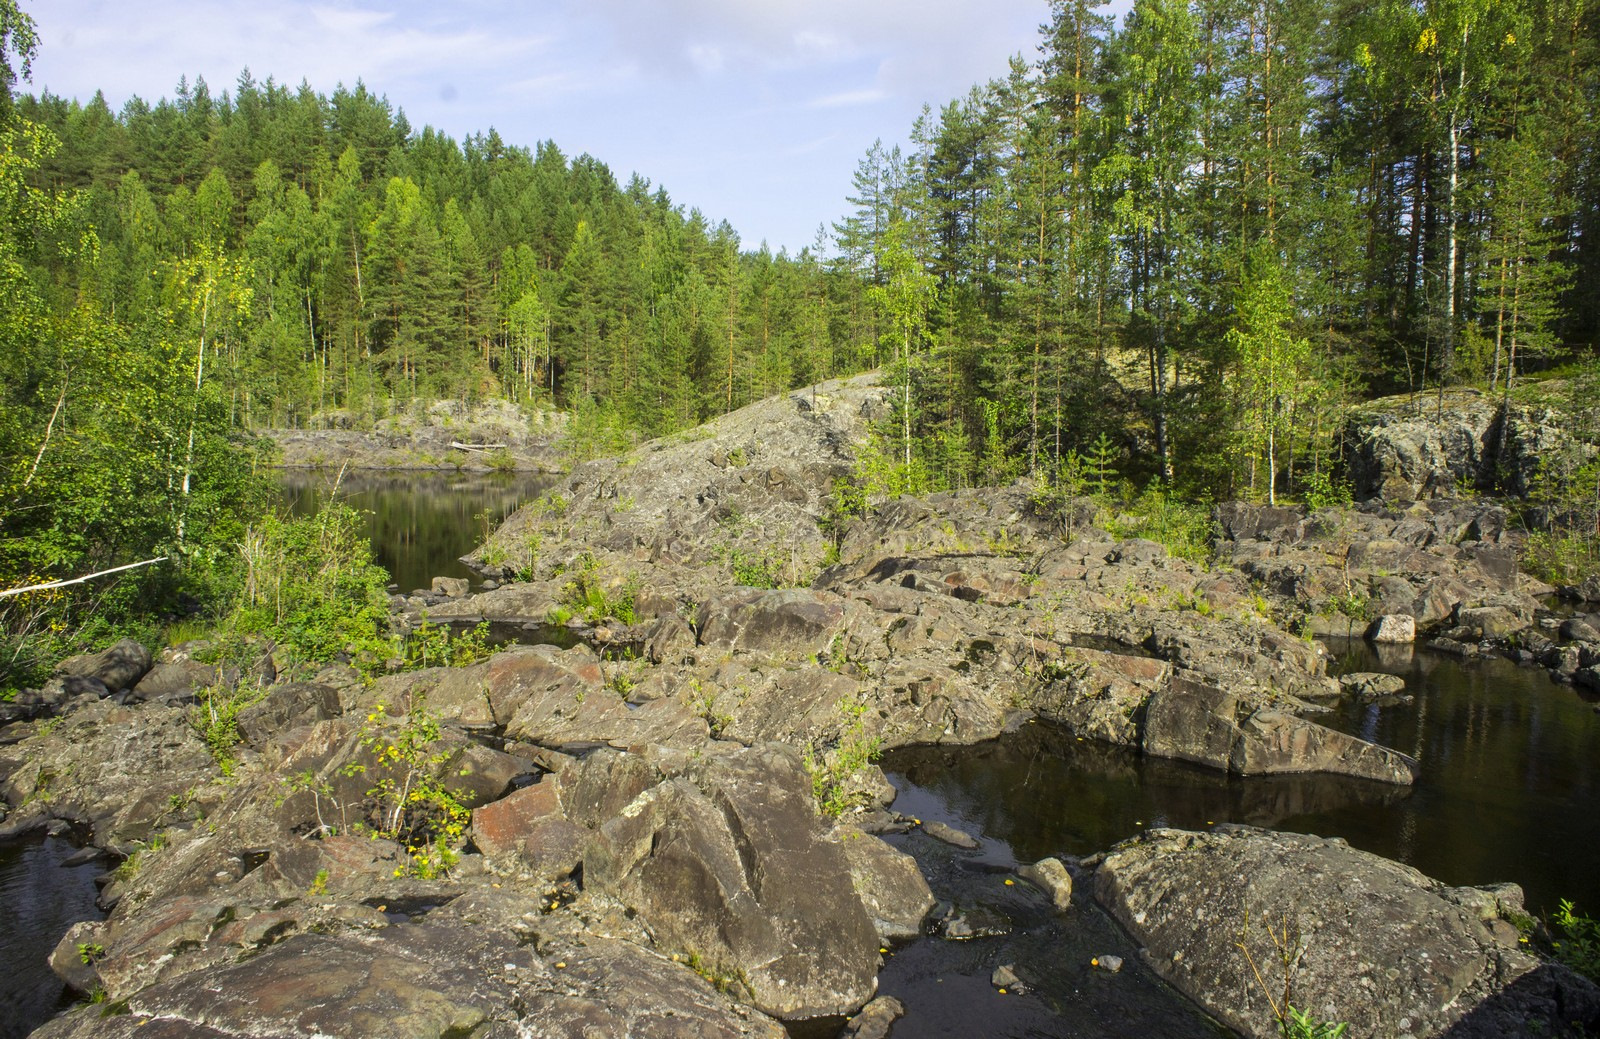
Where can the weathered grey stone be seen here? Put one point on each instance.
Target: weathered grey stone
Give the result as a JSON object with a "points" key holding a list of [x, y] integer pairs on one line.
{"points": [[950, 835], [890, 884], [875, 1020], [793, 620], [729, 862], [450, 587], [485, 965], [1192, 721], [1578, 629], [284, 707], [1367, 685], [1393, 629], [1051, 876], [174, 680], [1383, 949], [119, 667]]}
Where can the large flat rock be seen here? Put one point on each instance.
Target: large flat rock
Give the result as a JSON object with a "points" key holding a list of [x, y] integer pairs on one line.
{"points": [[1374, 943]]}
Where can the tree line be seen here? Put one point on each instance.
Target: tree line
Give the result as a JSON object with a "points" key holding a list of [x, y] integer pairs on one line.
{"points": [[1203, 232]]}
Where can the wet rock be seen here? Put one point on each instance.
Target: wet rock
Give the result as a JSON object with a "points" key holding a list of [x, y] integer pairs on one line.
{"points": [[1005, 977], [960, 925], [1368, 685], [950, 835], [1383, 945], [1109, 963], [1051, 877], [875, 1019]]}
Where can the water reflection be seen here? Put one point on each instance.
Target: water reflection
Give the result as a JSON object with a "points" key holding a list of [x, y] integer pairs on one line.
{"points": [[1044, 792], [1510, 765], [420, 523], [39, 899]]}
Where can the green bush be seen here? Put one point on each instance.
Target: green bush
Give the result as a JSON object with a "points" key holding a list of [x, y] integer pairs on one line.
{"points": [[587, 595], [1579, 946], [1184, 528], [309, 584]]}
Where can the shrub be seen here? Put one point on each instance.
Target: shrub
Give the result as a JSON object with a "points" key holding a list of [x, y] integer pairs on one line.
{"points": [[310, 586]]}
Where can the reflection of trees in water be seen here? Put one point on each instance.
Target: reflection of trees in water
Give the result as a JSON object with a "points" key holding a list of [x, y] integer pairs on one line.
{"points": [[1044, 791], [1510, 765], [420, 523]]}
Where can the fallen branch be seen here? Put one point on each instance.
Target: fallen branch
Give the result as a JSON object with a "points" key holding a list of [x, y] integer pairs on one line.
{"points": [[459, 446], [79, 580]]}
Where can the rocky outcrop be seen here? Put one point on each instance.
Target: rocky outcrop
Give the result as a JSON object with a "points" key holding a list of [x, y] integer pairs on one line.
{"points": [[726, 862], [1413, 447], [1392, 575], [489, 963], [1379, 945], [1205, 724], [446, 436]]}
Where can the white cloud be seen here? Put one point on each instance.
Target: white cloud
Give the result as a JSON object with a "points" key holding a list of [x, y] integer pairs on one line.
{"points": [[849, 99]]}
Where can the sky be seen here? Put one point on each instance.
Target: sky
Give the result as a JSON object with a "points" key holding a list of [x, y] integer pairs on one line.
{"points": [[753, 111]]}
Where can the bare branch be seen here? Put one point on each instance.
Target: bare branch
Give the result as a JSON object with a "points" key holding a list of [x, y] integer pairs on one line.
{"points": [[79, 580], [48, 430]]}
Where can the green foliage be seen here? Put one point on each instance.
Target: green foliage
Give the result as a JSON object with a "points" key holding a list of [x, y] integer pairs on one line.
{"points": [[706, 703], [1287, 949], [1301, 1024], [1563, 506], [310, 585], [439, 645], [1186, 529], [413, 806], [847, 501], [834, 770], [216, 719], [591, 596], [1322, 492], [1579, 947]]}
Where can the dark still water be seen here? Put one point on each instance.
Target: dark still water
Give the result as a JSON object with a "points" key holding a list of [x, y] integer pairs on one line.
{"points": [[1510, 779], [420, 523], [39, 899]]}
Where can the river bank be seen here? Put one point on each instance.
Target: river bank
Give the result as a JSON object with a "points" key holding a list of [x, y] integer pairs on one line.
{"points": [[645, 852]]}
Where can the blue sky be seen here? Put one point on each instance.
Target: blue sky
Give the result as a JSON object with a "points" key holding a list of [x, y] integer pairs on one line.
{"points": [[754, 111]]}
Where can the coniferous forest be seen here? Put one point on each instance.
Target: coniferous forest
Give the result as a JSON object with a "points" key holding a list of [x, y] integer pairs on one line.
{"points": [[1185, 244]]}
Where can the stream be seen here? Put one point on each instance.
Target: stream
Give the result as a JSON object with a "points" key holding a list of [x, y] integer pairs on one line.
{"points": [[1510, 769], [422, 522]]}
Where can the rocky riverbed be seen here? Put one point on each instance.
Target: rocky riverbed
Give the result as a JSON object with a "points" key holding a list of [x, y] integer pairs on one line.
{"points": [[645, 855]]}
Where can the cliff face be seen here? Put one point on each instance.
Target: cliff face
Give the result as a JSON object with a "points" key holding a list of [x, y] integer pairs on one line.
{"points": [[1410, 447]]}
